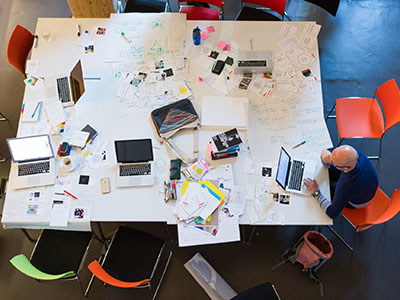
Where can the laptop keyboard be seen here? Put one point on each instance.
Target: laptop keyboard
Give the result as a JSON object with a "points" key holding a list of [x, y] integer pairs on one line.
{"points": [[34, 168], [252, 63], [135, 170], [296, 175], [63, 89]]}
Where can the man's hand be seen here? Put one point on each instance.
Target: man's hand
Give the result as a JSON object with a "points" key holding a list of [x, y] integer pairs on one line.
{"points": [[326, 157], [311, 185]]}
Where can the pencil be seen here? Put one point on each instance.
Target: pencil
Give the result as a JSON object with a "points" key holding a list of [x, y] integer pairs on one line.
{"points": [[34, 112], [69, 194]]}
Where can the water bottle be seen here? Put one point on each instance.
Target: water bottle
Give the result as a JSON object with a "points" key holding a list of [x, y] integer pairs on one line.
{"points": [[196, 36]]}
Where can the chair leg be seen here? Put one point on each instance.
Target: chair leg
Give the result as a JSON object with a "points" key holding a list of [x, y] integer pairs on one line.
{"points": [[340, 238], [89, 286], [253, 230], [26, 234], [329, 116], [379, 153], [3, 117], [171, 239], [80, 284]]}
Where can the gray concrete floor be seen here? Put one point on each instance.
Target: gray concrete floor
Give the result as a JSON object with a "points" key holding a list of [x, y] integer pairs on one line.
{"points": [[359, 50]]}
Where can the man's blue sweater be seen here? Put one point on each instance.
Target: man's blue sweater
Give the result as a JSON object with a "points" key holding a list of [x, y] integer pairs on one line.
{"points": [[357, 186]]}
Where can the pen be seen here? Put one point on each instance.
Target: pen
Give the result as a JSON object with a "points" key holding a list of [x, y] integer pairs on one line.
{"points": [[34, 112], [126, 39], [299, 144], [79, 29], [36, 41], [251, 44], [69, 194]]}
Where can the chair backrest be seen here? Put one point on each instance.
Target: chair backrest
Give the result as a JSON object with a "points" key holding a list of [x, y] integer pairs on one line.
{"points": [[101, 274], [392, 209], [22, 264], [19, 45], [276, 5], [217, 3], [389, 96]]}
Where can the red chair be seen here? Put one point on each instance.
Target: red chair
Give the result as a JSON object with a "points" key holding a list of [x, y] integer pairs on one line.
{"points": [[379, 211], [363, 117], [19, 45], [258, 12], [133, 259], [213, 11]]}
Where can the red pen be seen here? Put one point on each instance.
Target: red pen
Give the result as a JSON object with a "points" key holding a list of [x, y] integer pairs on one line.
{"points": [[69, 194]]}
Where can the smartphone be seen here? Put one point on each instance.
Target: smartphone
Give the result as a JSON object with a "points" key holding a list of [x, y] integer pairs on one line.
{"points": [[175, 169], [218, 67]]}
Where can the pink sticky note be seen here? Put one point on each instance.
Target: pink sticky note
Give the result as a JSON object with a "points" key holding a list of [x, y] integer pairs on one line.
{"points": [[228, 47], [210, 29], [203, 35], [200, 79], [221, 45]]}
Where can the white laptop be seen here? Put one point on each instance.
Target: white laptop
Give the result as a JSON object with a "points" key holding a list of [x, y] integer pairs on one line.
{"points": [[34, 161], [291, 173], [255, 62], [67, 88], [134, 158]]}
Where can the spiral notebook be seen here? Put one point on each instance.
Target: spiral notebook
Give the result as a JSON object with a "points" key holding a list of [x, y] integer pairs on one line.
{"points": [[205, 275]]}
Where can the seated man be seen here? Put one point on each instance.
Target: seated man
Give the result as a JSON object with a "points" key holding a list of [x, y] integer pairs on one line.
{"points": [[357, 181]]}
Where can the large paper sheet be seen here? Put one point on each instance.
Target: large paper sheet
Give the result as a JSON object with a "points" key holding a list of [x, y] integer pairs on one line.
{"points": [[145, 36]]}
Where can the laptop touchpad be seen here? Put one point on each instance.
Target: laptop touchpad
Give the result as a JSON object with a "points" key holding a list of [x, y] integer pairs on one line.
{"points": [[32, 180]]}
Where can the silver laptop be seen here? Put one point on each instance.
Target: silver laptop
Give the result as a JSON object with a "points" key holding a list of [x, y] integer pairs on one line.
{"points": [[67, 88], [291, 173], [33, 159], [255, 62], [135, 167]]}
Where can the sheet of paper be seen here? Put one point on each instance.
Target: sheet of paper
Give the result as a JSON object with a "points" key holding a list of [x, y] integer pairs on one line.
{"points": [[60, 211], [79, 139], [224, 112], [55, 113], [237, 200], [32, 66]]}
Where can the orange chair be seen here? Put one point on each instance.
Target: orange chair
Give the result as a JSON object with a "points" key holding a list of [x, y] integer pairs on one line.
{"points": [[213, 11], [363, 117], [134, 259], [19, 45], [248, 13], [381, 210]]}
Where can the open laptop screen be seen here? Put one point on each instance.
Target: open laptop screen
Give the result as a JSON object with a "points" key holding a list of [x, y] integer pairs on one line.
{"points": [[130, 151], [283, 168], [30, 148]]}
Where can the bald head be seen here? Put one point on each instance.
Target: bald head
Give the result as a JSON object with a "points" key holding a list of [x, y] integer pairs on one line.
{"points": [[345, 157]]}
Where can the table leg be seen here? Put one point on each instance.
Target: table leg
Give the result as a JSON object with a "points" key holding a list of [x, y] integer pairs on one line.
{"points": [[102, 237], [28, 236]]}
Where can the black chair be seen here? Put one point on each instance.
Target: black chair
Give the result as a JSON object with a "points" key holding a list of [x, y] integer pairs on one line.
{"points": [[134, 259], [146, 6], [57, 255], [331, 6], [264, 291], [261, 10]]}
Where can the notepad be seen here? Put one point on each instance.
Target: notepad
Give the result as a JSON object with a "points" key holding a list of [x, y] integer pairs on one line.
{"points": [[224, 112], [31, 111]]}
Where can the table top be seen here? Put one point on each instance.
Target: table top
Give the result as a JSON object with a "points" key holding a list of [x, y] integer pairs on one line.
{"points": [[99, 108]]}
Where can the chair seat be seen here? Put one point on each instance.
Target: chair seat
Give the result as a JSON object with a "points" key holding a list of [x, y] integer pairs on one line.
{"points": [[367, 214], [253, 14], [359, 117], [132, 255], [199, 13], [59, 251], [144, 6]]}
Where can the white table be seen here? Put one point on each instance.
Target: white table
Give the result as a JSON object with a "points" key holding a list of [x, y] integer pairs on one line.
{"points": [[98, 107]]}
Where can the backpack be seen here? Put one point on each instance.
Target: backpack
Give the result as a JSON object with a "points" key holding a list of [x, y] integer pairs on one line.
{"points": [[312, 250]]}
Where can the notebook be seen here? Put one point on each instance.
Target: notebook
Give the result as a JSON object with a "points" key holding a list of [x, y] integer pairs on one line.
{"points": [[33, 159], [134, 159]]}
